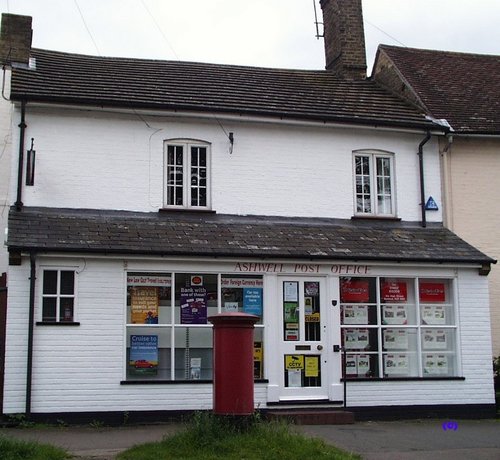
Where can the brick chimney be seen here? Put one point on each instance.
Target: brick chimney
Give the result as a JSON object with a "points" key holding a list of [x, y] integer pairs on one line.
{"points": [[15, 39], [344, 38]]}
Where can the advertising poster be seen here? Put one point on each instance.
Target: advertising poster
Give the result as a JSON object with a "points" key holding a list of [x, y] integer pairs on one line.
{"points": [[432, 292], [356, 339], [434, 339], [258, 357], [355, 291], [435, 364], [351, 367], [395, 339], [396, 364], [143, 355], [433, 314], [193, 305], [291, 312], [355, 314], [252, 301], [195, 368], [144, 302], [394, 314], [363, 362], [394, 291], [311, 288], [311, 366]]}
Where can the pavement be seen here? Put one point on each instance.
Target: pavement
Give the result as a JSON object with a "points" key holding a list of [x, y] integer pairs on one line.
{"points": [[404, 440]]}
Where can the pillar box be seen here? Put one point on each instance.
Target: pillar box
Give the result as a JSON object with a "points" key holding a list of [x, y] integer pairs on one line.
{"points": [[233, 363]]}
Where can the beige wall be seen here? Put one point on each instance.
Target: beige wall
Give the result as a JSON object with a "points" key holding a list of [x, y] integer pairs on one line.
{"points": [[471, 168]]}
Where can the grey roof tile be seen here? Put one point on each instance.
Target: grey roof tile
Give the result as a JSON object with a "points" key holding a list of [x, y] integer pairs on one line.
{"points": [[99, 231]]}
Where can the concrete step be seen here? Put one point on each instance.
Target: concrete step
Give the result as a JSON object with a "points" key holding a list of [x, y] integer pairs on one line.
{"points": [[312, 416]]}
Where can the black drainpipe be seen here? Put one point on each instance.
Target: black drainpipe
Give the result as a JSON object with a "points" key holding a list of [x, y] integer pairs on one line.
{"points": [[421, 167], [22, 126], [29, 370]]}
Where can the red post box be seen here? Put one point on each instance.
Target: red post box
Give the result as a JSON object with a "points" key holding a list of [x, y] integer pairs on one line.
{"points": [[233, 363]]}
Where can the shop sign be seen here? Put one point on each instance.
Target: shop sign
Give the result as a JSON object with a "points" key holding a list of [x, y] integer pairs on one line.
{"points": [[337, 269], [241, 282], [149, 280], [314, 318], [394, 291], [432, 292]]}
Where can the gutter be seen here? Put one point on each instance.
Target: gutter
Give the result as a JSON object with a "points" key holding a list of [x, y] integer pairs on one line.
{"points": [[22, 128], [29, 364], [421, 172]]}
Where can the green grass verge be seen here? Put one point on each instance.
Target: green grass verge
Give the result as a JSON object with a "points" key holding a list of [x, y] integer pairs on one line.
{"points": [[13, 449], [208, 437]]}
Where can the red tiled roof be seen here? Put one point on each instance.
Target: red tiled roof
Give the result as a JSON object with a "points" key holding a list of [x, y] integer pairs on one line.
{"points": [[190, 86], [462, 88]]}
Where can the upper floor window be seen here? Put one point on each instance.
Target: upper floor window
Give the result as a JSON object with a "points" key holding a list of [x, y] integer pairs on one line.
{"points": [[187, 174], [58, 296], [374, 182]]}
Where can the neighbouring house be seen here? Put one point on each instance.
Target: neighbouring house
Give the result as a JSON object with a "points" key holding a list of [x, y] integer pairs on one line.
{"points": [[462, 89], [166, 192]]}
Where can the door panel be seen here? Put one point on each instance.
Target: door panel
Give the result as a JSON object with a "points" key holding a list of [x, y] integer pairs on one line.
{"points": [[303, 351]]}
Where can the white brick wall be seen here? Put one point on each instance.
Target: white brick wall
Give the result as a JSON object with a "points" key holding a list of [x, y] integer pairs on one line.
{"points": [[114, 161], [79, 368]]}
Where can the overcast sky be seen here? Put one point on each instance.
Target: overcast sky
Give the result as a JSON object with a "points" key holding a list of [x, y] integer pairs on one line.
{"points": [[269, 33]]}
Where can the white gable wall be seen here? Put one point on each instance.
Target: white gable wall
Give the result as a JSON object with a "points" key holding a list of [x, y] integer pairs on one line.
{"points": [[98, 160]]}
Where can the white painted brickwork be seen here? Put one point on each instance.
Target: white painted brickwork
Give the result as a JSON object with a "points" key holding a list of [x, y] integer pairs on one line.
{"points": [[114, 161]]}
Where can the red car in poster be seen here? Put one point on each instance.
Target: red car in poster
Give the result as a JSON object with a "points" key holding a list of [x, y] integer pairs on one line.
{"points": [[143, 364]]}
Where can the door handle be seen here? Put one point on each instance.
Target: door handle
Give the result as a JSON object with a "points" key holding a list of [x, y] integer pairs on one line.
{"points": [[320, 347]]}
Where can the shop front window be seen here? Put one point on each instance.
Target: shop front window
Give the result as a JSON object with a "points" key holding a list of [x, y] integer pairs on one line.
{"points": [[169, 336], [398, 327]]}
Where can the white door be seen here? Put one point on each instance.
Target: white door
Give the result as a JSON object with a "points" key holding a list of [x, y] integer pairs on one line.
{"points": [[304, 354]]}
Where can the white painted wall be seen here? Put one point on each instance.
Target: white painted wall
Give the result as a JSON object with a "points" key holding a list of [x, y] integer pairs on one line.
{"points": [[79, 368], [5, 171], [99, 160]]}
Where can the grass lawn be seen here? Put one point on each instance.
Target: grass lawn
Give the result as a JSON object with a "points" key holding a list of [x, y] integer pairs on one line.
{"points": [[207, 437], [13, 449]]}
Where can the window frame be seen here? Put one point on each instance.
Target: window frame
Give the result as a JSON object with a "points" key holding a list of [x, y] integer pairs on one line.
{"points": [[58, 295], [187, 188], [373, 156]]}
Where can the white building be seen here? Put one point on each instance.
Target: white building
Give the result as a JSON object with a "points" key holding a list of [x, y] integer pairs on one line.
{"points": [[166, 192]]}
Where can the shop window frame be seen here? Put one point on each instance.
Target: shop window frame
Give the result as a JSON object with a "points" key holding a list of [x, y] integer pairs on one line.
{"points": [[417, 325]]}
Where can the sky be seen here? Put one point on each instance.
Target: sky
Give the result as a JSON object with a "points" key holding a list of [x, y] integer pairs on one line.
{"points": [[265, 33]]}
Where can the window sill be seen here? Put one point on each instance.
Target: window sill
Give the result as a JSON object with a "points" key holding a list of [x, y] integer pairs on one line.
{"points": [[57, 323], [388, 218], [187, 210], [176, 382], [400, 379]]}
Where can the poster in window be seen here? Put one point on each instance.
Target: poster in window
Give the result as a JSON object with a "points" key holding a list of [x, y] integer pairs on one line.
{"points": [[394, 291], [311, 366], [193, 305], [291, 291], [435, 339], [432, 292], [258, 357], [294, 378], [363, 362], [396, 364], [355, 314], [356, 339], [143, 355], [435, 364], [394, 314], [351, 367], [195, 368], [291, 312], [144, 301], [354, 291], [311, 288], [433, 314], [252, 301], [395, 339]]}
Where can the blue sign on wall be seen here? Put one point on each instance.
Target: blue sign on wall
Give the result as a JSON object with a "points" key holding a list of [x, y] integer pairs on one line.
{"points": [[431, 205]]}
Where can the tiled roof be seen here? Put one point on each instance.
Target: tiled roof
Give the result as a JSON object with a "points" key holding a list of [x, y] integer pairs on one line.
{"points": [[460, 87], [205, 235], [190, 86]]}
